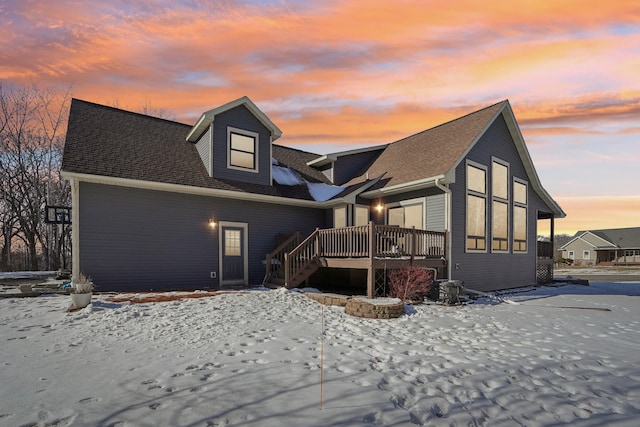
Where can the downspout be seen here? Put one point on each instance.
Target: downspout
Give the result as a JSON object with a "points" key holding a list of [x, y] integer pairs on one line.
{"points": [[75, 227], [447, 222]]}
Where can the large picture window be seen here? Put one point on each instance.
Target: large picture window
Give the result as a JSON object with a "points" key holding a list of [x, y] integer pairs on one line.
{"points": [[499, 207], [476, 208], [500, 232], [407, 216], [243, 149], [519, 216]]}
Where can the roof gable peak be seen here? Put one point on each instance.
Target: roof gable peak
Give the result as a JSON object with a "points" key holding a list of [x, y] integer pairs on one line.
{"points": [[209, 116]]}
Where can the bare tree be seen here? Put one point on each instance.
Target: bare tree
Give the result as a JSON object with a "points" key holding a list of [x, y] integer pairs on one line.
{"points": [[31, 140], [146, 108]]}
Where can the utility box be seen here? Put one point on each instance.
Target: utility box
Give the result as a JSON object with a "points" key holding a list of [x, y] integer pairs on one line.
{"points": [[451, 292]]}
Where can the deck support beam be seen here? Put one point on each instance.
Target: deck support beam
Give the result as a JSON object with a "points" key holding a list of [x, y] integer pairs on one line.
{"points": [[371, 272]]}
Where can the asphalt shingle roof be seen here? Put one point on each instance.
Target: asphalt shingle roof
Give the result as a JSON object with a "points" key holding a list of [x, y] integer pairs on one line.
{"points": [[110, 142], [623, 238], [431, 152]]}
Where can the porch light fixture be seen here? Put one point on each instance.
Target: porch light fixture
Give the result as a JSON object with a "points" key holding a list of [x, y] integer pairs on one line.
{"points": [[212, 224], [379, 207]]}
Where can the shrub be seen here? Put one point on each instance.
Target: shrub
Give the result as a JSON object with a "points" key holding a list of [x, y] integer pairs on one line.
{"points": [[82, 284], [410, 284]]}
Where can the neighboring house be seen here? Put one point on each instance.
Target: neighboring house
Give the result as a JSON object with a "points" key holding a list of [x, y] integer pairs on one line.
{"points": [[160, 205], [615, 246]]}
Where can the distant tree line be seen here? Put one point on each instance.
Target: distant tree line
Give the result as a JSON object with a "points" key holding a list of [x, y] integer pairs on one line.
{"points": [[32, 128]]}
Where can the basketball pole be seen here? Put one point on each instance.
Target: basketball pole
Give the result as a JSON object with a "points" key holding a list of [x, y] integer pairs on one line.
{"points": [[321, 352]]}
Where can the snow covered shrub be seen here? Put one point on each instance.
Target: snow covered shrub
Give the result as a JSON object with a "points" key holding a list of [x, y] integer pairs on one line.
{"points": [[82, 284], [410, 284]]}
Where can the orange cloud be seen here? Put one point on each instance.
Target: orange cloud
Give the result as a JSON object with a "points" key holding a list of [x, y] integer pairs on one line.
{"points": [[602, 212]]}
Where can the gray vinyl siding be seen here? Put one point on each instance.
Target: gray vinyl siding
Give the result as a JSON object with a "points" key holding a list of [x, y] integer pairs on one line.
{"points": [[435, 201], [492, 271], [436, 213], [134, 239], [204, 149], [346, 167], [241, 118]]}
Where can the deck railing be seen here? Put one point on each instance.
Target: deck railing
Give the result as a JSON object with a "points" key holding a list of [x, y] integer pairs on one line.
{"points": [[356, 242], [388, 241]]}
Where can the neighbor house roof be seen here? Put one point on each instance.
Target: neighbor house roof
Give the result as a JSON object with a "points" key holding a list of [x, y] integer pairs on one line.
{"points": [[612, 238], [112, 143]]}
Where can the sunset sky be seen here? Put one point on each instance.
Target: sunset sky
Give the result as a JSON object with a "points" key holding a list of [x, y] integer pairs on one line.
{"points": [[342, 74]]}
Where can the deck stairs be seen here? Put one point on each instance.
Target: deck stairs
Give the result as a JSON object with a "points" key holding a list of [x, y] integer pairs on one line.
{"points": [[292, 262], [275, 260]]}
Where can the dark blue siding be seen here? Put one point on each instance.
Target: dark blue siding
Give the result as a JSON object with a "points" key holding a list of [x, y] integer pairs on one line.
{"points": [[347, 167], [492, 271], [241, 118], [134, 239]]}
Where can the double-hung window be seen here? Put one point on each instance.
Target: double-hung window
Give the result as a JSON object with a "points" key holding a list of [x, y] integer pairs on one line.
{"points": [[476, 208], [242, 149]]}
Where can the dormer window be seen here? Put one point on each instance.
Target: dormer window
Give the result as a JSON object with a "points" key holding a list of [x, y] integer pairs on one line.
{"points": [[242, 153]]}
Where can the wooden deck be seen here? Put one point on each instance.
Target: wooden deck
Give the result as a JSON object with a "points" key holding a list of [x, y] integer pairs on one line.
{"points": [[369, 247]]}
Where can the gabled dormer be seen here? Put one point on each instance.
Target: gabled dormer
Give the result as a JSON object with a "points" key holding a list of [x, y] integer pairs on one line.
{"points": [[234, 142]]}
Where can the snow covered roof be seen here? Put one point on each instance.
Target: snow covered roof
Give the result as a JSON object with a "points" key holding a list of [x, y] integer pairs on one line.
{"points": [[320, 191]]}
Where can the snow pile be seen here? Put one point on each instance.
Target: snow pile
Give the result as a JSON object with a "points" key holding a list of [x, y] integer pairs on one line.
{"points": [[254, 359], [320, 191]]}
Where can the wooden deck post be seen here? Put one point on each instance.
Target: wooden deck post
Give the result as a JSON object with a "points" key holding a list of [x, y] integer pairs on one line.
{"points": [[413, 244], [370, 271], [287, 273]]}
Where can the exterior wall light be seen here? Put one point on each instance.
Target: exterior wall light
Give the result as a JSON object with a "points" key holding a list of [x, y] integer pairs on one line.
{"points": [[379, 207], [212, 224]]}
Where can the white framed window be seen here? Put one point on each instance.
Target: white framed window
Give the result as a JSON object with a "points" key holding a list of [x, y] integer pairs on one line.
{"points": [[571, 254], [476, 224], [520, 228], [242, 149], [499, 206], [407, 214], [361, 215], [340, 217], [586, 254]]}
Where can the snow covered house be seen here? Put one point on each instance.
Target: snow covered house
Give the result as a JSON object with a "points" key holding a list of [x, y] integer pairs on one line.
{"points": [[161, 205]]}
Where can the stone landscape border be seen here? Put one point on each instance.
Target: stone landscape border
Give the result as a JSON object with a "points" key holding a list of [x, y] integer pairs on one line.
{"points": [[378, 308]]}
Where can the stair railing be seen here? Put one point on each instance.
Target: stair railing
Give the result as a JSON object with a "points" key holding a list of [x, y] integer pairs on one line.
{"points": [[275, 259], [300, 257]]}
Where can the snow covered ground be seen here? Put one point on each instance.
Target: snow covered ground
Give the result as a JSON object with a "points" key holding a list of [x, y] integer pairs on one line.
{"points": [[254, 359]]}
